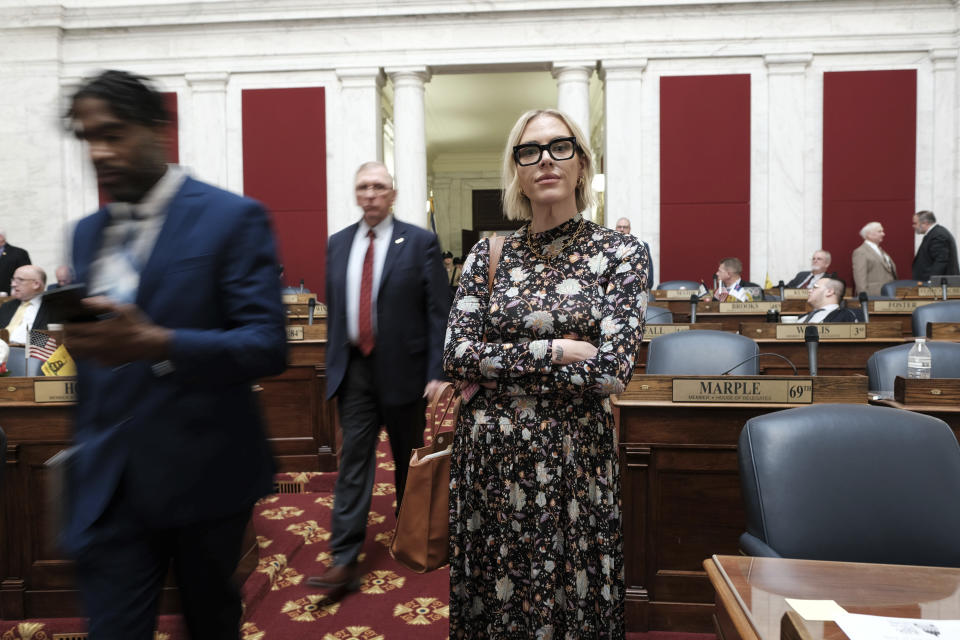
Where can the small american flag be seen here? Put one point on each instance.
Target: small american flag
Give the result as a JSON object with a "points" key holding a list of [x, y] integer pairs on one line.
{"points": [[42, 345], [720, 294]]}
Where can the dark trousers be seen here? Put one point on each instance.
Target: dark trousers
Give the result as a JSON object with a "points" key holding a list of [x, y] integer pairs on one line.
{"points": [[361, 415], [121, 577]]}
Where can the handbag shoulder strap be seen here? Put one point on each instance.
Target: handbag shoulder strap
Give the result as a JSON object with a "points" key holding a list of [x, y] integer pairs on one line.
{"points": [[496, 248]]}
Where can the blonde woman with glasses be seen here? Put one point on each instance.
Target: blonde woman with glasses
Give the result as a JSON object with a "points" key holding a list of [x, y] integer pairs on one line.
{"points": [[535, 531]]}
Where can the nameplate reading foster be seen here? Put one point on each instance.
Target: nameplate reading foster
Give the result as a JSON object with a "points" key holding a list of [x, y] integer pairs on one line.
{"points": [[55, 391], [657, 330], [898, 306], [833, 331], [748, 307], [734, 390]]}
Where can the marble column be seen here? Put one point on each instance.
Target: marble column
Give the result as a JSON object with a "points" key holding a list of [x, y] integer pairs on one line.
{"points": [[945, 136], [790, 237], [204, 138], [361, 134], [573, 90], [624, 144], [410, 143]]}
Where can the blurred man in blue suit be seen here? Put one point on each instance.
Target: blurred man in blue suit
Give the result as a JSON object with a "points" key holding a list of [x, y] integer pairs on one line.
{"points": [[171, 451], [387, 304]]}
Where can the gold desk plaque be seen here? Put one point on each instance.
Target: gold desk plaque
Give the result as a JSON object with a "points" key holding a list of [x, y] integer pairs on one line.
{"points": [[898, 306], [657, 330], [937, 292], [295, 333], [297, 298], [54, 391], [829, 331], [748, 307], [675, 294], [795, 294], [743, 390]]}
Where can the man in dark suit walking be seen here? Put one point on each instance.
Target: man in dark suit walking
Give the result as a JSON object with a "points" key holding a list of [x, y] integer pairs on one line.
{"points": [[387, 305], [170, 447], [937, 254], [11, 259]]}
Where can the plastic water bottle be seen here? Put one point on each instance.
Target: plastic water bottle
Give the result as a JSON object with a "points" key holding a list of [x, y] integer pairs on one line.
{"points": [[919, 361]]}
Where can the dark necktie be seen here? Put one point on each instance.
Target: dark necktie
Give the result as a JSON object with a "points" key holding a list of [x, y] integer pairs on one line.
{"points": [[806, 282], [365, 315]]}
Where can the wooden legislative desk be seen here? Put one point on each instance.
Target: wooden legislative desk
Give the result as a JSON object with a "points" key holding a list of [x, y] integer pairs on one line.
{"points": [[946, 331], [681, 493], [841, 356], [751, 592], [891, 311], [937, 397], [35, 580], [727, 314]]}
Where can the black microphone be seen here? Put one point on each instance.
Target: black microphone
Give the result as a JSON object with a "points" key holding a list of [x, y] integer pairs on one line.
{"points": [[781, 287], [694, 299], [754, 357], [943, 287], [864, 306], [715, 282], [812, 337], [311, 306]]}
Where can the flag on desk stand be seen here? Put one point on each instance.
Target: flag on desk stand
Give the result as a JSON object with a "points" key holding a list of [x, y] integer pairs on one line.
{"points": [[720, 294], [59, 364], [766, 282], [42, 345]]}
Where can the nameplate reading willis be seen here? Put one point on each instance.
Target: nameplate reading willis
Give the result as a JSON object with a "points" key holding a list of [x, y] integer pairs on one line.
{"points": [[743, 390]]}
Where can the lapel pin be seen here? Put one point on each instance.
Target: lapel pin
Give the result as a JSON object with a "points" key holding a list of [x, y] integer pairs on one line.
{"points": [[398, 241]]}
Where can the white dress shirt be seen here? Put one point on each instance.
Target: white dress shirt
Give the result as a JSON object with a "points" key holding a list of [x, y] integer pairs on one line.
{"points": [[20, 334], [817, 315], [358, 250]]}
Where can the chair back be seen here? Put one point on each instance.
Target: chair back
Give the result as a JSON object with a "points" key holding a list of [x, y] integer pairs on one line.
{"points": [[886, 364], [946, 311], [19, 366], [851, 483], [658, 315], [890, 288], [679, 284], [707, 353]]}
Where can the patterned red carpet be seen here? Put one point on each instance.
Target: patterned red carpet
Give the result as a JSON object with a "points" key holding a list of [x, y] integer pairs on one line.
{"points": [[293, 530]]}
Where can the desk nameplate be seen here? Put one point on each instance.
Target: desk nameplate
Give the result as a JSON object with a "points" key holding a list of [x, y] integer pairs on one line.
{"points": [[748, 307], [54, 391], [937, 292], [829, 331], [734, 390], [796, 294], [295, 333], [674, 294], [657, 330], [897, 306], [297, 298]]}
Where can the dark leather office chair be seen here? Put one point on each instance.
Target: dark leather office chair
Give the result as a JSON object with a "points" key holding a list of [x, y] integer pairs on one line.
{"points": [[702, 353], [890, 288], [658, 315], [886, 364], [851, 483], [3, 456], [679, 284], [946, 311], [19, 365]]}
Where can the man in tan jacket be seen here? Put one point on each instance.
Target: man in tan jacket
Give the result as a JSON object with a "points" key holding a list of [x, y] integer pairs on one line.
{"points": [[872, 266]]}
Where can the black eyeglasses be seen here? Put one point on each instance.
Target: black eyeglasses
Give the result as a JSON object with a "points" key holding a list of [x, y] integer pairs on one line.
{"points": [[558, 148]]}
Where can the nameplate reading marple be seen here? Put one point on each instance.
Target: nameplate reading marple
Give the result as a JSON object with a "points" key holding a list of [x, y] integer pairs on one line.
{"points": [[295, 333], [933, 292], [676, 294], [748, 307], [733, 390], [657, 330], [898, 306], [55, 391], [834, 331], [795, 294]]}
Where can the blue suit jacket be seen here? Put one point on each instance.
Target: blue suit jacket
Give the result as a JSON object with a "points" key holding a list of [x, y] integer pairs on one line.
{"points": [[189, 445], [413, 301]]}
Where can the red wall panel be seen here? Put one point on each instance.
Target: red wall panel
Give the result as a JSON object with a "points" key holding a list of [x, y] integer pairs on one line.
{"points": [[704, 174], [284, 166], [869, 162]]}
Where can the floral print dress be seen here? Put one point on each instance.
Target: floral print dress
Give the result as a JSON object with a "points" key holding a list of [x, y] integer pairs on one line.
{"points": [[535, 525]]}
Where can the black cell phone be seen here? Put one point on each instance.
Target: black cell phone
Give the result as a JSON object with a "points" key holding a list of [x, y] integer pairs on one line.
{"points": [[64, 305]]}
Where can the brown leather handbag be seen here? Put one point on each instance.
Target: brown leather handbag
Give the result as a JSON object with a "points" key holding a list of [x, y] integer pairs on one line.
{"points": [[421, 539]]}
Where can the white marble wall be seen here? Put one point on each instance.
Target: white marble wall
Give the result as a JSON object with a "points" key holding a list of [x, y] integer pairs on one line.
{"points": [[208, 52]]}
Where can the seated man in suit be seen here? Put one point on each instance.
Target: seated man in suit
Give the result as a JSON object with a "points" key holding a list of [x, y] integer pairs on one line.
{"points": [[27, 313], [825, 298], [819, 264], [64, 275], [729, 284]]}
